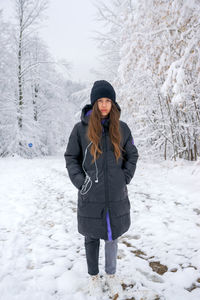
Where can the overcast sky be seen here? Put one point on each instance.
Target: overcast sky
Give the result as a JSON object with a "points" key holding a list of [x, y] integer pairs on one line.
{"points": [[68, 33]]}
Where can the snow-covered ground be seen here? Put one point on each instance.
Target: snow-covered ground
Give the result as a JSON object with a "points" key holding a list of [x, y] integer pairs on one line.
{"points": [[42, 256]]}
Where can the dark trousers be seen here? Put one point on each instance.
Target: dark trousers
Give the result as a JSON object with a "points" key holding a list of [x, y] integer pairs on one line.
{"points": [[92, 255]]}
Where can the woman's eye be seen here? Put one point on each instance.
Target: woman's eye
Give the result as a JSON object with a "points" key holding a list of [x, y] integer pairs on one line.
{"points": [[107, 101]]}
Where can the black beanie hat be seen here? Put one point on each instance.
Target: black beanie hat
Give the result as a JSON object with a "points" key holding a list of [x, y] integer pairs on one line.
{"points": [[102, 88]]}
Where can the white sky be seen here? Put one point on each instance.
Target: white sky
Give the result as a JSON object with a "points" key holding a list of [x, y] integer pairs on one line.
{"points": [[68, 33]]}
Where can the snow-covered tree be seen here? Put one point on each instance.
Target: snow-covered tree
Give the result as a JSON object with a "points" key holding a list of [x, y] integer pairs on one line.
{"points": [[158, 74], [111, 15], [7, 89], [28, 14], [35, 109]]}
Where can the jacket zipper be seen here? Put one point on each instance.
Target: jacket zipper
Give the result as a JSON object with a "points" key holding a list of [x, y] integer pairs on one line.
{"points": [[106, 182]]}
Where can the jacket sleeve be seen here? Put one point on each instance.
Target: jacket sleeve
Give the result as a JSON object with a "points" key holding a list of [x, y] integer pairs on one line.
{"points": [[73, 159], [130, 157]]}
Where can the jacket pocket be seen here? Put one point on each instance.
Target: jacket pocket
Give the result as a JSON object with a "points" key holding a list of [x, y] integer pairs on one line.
{"points": [[82, 200], [125, 192], [120, 208], [124, 176], [86, 186]]}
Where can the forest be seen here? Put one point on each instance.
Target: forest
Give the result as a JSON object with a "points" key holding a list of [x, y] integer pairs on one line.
{"points": [[150, 52]]}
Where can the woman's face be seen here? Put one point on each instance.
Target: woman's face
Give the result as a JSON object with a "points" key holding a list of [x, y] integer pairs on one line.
{"points": [[104, 105]]}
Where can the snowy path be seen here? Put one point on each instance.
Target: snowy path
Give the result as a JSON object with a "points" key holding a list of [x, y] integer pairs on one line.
{"points": [[42, 255]]}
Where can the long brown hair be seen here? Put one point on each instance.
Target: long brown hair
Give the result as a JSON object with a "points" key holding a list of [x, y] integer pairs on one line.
{"points": [[94, 132]]}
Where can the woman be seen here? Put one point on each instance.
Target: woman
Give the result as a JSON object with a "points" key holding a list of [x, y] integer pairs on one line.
{"points": [[101, 160]]}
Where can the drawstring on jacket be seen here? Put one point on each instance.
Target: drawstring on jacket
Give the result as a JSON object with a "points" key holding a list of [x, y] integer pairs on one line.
{"points": [[88, 181]]}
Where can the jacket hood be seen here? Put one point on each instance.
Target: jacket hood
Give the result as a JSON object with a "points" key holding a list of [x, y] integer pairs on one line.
{"points": [[87, 110]]}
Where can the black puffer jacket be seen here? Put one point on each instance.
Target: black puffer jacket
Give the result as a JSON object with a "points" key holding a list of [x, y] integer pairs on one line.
{"points": [[106, 189]]}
